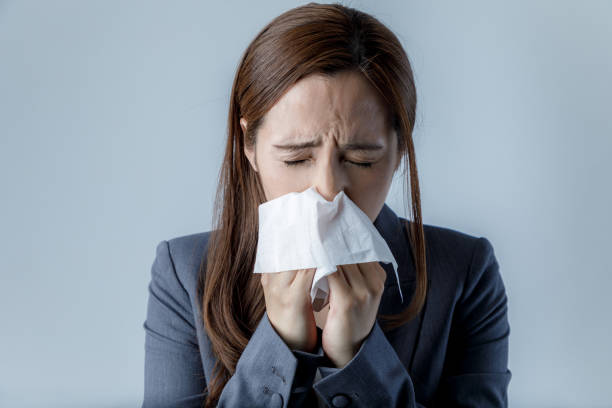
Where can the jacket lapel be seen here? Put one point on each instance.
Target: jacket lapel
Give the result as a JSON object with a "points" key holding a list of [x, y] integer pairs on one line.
{"points": [[404, 339]]}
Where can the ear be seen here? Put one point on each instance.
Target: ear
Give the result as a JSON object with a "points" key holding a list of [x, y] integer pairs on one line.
{"points": [[248, 151]]}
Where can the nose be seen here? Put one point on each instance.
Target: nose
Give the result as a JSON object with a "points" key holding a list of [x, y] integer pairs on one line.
{"points": [[329, 180]]}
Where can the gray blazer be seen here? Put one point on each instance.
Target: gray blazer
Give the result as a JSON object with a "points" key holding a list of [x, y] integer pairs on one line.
{"points": [[455, 353]]}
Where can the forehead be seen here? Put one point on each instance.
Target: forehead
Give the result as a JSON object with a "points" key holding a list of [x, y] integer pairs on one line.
{"points": [[342, 105]]}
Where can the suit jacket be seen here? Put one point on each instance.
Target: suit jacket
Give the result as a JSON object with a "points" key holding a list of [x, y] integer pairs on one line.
{"points": [[455, 353]]}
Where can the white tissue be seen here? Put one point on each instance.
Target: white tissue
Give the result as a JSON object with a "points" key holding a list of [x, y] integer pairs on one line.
{"points": [[304, 230]]}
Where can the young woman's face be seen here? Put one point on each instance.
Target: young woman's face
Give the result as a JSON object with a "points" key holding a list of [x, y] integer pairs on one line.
{"points": [[330, 133]]}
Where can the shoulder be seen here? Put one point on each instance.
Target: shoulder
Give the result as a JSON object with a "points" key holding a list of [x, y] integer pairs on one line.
{"points": [[448, 242], [187, 250], [457, 260], [180, 259]]}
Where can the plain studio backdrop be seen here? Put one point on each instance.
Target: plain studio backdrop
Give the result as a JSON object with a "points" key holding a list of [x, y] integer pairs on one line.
{"points": [[113, 123]]}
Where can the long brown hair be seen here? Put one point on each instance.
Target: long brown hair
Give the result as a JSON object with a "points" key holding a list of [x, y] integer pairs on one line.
{"points": [[313, 38]]}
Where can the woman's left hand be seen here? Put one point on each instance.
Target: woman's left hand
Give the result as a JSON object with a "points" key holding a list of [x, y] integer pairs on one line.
{"points": [[354, 298]]}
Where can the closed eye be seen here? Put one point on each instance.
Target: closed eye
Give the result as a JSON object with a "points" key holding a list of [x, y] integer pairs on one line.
{"points": [[298, 162]]}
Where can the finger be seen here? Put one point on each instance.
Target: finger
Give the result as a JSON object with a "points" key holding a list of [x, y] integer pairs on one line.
{"points": [[338, 284], [304, 277], [374, 275], [355, 278], [343, 273], [278, 279]]}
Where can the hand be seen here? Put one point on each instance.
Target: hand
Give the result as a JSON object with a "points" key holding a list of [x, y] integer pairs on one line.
{"points": [[354, 298], [289, 307]]}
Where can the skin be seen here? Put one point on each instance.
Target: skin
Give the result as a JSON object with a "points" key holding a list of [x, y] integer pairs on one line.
{"points": [[334, 113]]}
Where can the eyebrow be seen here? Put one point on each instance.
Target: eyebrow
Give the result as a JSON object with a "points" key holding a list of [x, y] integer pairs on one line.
{"points": [[360, 146]]}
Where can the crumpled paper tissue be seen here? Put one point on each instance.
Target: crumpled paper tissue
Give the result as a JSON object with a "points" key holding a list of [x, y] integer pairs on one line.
{"points": [[302, 230]]}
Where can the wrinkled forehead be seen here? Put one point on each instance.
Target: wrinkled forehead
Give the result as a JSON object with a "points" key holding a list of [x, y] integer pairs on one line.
{"points": [[341, 106]]}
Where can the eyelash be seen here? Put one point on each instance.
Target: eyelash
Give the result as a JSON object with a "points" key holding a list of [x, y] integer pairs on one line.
{"points": [[297, 162]]}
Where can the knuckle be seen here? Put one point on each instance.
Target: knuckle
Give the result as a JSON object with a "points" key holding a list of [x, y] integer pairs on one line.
{"points": [[365, 297], [357, 301], [380, 287], [344, 304]]}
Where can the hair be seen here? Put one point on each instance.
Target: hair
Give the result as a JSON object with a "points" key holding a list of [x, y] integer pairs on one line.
{"points": [[309, 39]]}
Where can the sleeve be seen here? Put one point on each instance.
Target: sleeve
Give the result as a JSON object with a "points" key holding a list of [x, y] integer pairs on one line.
{"points": [[374, 377], [475, 373], [173, 373], [303, 394], [268, 373]]}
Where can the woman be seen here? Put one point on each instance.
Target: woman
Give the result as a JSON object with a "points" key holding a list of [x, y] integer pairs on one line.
{"points": [[324, 96]]}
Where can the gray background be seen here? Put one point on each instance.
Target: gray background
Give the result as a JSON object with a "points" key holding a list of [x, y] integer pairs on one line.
{"points": [[112, 123]]}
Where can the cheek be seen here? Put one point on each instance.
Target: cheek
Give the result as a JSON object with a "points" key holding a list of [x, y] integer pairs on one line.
{"points": [[371, 186], [278, 179], [378, 175], [370, 191]]}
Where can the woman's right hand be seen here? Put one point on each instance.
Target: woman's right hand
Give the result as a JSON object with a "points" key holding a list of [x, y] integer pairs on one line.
{"points": [[289, 307]]}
